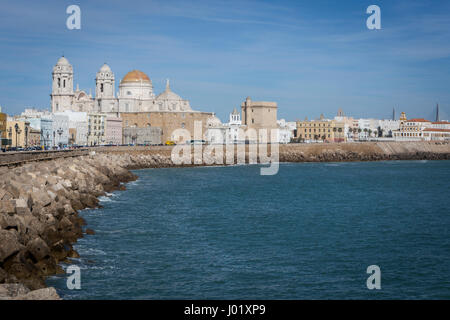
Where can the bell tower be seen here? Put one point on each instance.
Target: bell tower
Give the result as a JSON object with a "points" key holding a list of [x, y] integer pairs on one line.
{"points": [[62, 86]]}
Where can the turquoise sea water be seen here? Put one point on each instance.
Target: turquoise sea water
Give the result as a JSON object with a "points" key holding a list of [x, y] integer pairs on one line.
{"points": [[309, 232]]}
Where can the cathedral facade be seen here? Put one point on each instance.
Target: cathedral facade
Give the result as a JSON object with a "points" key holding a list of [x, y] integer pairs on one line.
{"points": [[135, 93]]}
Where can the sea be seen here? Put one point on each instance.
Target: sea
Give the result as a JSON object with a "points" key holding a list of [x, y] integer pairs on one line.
{"points": [[312, 231]]}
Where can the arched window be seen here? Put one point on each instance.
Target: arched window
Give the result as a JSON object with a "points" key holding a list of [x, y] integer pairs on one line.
{"points": [[64, 83], [101, 87]]}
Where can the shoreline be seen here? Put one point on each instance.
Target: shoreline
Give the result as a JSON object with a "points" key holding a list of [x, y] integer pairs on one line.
{"points": [[40, 201]]}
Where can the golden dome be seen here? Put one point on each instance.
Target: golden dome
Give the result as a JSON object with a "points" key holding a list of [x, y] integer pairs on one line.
{"points": [[135, 76]]}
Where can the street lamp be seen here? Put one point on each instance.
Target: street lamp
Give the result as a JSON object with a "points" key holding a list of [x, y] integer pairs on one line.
{"points": [[26, 136], [18, 131], [59, 131]]}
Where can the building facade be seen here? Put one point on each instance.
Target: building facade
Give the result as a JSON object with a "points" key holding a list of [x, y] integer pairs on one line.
{"points": [[322, 130], [17, 132], [135, 93], [113, 130], [4, 141], [142, 136], [411, 129], [168, 122], [60, 130], [96, 129]]}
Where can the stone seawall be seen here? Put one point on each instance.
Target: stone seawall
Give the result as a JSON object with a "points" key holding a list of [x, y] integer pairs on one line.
{"points": [[39, 201], [18, 158]]}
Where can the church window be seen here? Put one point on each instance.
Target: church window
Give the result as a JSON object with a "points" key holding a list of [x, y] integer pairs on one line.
{"points": [[59, 82], [182, 125], [253, 120], [101, 89], [64, 83], [129, 93]]}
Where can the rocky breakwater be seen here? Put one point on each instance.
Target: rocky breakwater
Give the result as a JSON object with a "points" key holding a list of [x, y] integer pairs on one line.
{"points": [[39, 220], [368, 151]]}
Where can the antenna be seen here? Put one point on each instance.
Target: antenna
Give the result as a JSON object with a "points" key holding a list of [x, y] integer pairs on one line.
{"points": [[437, 112]]}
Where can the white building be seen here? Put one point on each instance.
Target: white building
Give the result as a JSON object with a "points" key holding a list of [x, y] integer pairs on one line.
{"points": [[135, 93], [228, 133], [388, 126], [369, 128], [285, 131], [78, 126], [60, 123]]}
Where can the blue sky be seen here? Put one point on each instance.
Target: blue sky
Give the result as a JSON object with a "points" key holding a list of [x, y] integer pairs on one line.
{"points": [[311, 57]]}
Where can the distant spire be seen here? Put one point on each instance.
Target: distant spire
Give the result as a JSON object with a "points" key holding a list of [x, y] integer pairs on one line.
{"points": [[167, 85], [437, 112], [393, 113]]}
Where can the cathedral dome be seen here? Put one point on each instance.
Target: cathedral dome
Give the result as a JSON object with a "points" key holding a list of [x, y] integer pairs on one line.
{"points": [[105, 68], [63, 61], [213, 121], [135, 76], [168, 94]]}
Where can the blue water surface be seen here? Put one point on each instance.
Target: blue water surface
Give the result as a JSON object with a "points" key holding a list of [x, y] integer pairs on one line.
{"points": [[309, 232]]}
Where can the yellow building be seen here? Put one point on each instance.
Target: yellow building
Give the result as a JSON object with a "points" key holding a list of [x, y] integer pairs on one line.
{"points": [[320, 130], [3, 127], [17, 132]]}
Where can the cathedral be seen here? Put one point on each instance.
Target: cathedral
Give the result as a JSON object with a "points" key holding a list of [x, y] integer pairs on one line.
{"points": [[135, 93]]}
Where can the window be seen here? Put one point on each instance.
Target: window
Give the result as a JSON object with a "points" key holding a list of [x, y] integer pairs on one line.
{"points": [[182, 125], [129, 93], [101, 87], [253, 120], [64, 83], [59, 82]]}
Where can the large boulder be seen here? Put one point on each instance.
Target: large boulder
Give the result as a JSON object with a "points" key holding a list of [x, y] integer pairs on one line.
{"points": [[41, 198], [9, 244], [40, 294], [7, 206], [12, 290], [38, 248]]}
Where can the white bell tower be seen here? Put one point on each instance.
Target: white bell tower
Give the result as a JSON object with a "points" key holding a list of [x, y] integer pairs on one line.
{"points": [[62, 86]]}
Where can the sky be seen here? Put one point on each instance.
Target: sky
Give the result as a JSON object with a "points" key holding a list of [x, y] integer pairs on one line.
{"points": [[311, 57]]}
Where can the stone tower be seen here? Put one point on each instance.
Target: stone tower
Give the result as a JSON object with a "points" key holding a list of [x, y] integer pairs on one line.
{"points": [[62, 86], [104, 90], [235, 117]]}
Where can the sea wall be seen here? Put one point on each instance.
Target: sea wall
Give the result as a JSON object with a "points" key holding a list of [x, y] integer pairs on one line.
{"points": [[40, 201]]}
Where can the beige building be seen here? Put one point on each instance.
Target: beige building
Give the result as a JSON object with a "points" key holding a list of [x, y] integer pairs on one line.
{"points": [[411, 129], [17, 131], [168, 122], [259, 114], [320, 130], [34, 138], [96, 129]]}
